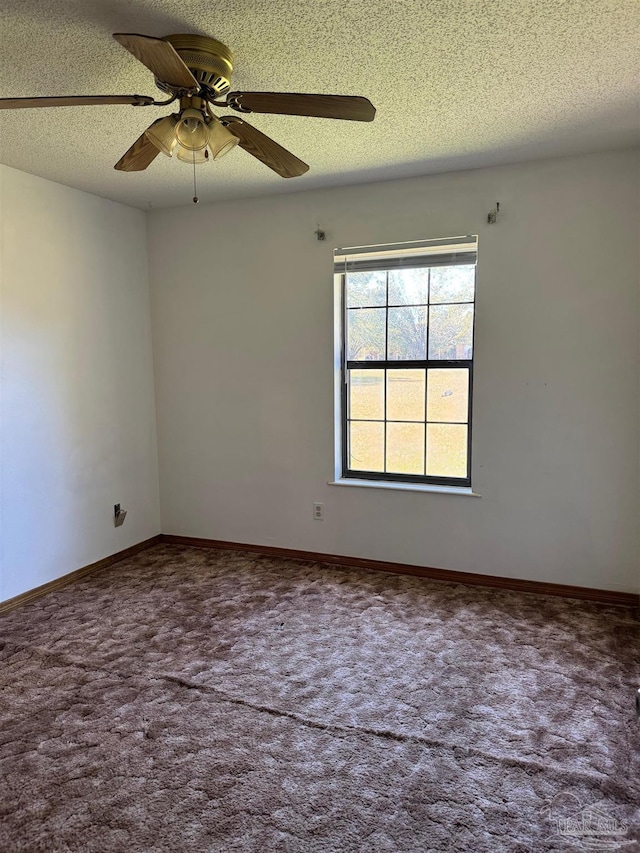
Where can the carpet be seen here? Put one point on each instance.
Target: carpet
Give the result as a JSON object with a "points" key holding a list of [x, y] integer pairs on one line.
{"points": [[196, 700]]}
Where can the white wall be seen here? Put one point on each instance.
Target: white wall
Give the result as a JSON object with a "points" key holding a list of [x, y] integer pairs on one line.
{"points": [[243, 327], [77, 414]]}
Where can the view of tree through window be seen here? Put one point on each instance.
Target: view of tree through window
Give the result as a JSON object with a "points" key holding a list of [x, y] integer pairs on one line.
{"points": [[408, 366]]}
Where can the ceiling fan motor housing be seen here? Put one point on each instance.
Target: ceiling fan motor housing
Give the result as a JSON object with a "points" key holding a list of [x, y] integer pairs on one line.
{"points": [[209, 60]]}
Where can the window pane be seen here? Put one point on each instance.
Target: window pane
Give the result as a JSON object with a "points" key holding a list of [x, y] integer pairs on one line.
{"points": [[405, 395], [366, 446], [407, 333], [365, 289], [448, 395], [405, 448], [447, 450], [408, 287], [366, 394], [366, 333], [453, 284], [450, 331]]}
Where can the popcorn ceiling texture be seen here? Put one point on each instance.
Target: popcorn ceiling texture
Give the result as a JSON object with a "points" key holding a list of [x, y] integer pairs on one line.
{"points": [[193, 700], [457, 84]]}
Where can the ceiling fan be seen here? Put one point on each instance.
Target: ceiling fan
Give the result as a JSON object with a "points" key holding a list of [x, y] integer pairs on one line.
{"points": [[196, 71]]}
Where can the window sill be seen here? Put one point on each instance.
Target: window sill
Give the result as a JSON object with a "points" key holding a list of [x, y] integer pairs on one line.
{"points": [[461, 491]]}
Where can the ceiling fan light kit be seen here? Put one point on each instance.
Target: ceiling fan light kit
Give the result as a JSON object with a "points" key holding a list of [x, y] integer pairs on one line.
{"points": [[221, 140], [191, 156], [191, 130], [163, 134], [197, 70]]}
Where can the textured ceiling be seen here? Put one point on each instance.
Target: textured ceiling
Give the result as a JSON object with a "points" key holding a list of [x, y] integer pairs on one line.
{"points": [[457, 84]]}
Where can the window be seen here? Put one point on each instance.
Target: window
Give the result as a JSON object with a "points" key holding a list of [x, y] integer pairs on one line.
{"points": [[407, 361]]}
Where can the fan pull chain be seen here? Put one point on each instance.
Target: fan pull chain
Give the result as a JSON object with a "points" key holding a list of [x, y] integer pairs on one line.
{"points": [[195, 188]]}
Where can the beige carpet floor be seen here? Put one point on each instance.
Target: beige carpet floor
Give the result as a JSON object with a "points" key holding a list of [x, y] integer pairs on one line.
{"points": [[194, 700]]}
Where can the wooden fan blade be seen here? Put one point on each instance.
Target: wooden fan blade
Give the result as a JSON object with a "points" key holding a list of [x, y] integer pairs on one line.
{"points": [[351, 108], [141, 154], [73, 101], [265, 149], [161, 58]]}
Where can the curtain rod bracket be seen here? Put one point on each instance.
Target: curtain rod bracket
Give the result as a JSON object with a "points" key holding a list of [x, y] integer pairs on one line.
{"points": [[492, 216]]}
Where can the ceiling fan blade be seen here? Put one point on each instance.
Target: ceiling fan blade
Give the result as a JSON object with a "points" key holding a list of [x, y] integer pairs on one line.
{"points": [[160, 57], [351, 108], [74, 101], [265, 149], [141, 154]]}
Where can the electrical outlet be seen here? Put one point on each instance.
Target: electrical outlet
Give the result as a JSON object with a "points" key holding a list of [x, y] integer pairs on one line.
{"points": [[318, 511], [119, 515]]}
